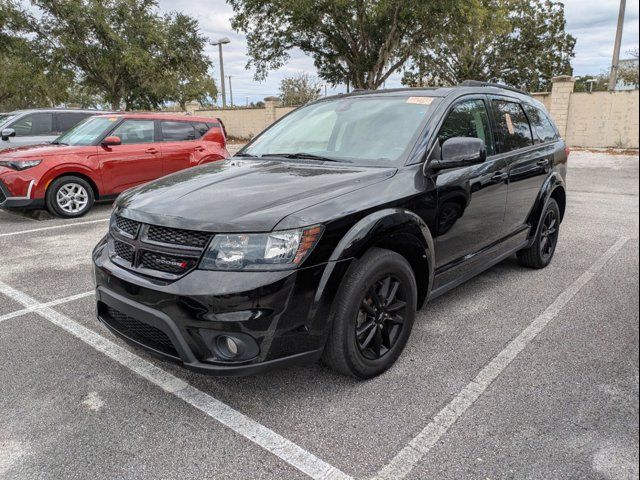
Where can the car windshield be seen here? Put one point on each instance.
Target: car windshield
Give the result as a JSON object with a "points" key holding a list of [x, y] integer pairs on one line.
{"points": [[5, 117], [87, 132], [366, 129]]}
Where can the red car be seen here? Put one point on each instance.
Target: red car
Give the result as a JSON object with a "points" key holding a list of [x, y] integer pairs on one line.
{"points": [[104, 155]]}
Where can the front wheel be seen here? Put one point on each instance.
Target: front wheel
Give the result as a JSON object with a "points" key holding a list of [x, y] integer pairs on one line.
{"points": [[69, 197], [374, 314], [540, 254]]}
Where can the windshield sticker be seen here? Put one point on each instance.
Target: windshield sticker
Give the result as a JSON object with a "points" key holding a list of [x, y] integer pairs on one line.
{"points": [[507, 117], [420, 100], [113, 119]]}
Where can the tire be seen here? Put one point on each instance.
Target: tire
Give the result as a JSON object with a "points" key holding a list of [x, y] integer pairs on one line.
{"points": [[385, 325], [69, 197], [541, 252]]}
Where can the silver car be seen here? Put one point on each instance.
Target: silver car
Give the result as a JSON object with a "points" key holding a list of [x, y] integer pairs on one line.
{"points": [[31, 127]]}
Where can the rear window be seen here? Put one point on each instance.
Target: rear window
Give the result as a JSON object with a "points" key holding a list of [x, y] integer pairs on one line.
{"points": [[543, 129], [177, 131], [513, 127]]}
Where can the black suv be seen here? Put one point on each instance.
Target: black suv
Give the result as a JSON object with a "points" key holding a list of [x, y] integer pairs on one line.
{"points": [[324, 235]]}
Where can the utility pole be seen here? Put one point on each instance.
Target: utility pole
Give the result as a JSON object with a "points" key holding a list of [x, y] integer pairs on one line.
{"points": [[230, 91], [219, 43], [613, 74]]}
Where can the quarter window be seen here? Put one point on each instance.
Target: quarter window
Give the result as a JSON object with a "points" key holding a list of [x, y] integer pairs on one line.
{"points": [[177, 131], [200, 128], [135, 131], [543, 130], [34, 124], [514, 131], [468, 119]]}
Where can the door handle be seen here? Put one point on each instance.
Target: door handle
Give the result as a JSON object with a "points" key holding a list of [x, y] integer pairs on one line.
{"points": [[543, 163], [499, 177], [151, 150], [200, 148]]}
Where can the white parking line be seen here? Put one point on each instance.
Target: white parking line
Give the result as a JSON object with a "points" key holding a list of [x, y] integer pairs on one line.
{"points": [[44, 229], [420, 445], [38, 306], [288, 451]]}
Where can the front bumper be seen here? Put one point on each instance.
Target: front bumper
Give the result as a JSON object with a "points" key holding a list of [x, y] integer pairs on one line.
{"points": [[282, 317], [8, 200]]}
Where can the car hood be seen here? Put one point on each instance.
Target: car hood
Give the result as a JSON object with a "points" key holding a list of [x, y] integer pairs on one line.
{"points": [[31, 151], [243, 195]]}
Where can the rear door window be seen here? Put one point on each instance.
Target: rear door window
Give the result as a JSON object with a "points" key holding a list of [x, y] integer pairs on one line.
{"points": [[135, 131], [66, 121], [177, 131], [543, 130], [513, 127], [34, 124]]}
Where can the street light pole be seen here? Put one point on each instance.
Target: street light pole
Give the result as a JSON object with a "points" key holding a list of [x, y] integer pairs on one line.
{"points": [[230, 91], [219, 43], [613, 74]]}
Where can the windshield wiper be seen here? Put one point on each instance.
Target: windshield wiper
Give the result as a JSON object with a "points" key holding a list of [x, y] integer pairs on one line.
{"points": [[302, 156], [55, 142]]}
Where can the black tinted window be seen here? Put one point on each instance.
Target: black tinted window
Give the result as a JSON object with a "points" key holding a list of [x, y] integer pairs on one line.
{"points": [[135, 131], [468, 119], [513, 127], [177, 131], [66, 121], [542, 127], [34, 124], [200, 128]]}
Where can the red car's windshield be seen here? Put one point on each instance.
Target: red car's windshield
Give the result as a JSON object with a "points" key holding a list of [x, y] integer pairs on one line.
{"points": [[87, 132]]}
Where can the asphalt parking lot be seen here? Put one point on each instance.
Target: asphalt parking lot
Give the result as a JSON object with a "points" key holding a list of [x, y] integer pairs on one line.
{"points": [[515, 374]]}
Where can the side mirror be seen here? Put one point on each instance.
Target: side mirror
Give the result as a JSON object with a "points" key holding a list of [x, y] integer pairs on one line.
{"points": [[459, 152], [7, 133], [111, 141]]}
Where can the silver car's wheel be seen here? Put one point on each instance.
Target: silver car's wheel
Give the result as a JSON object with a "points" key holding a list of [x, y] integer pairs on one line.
{"points": [[72, 198]]}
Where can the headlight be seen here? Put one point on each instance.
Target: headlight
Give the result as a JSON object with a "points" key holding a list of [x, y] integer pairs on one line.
{"points": [[261, 251], [20, 164]]}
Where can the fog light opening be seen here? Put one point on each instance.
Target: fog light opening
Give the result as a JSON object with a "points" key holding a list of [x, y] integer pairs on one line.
{"points": [[228, 346]]}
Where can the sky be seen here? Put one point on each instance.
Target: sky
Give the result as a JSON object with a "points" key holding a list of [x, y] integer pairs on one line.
{"points": [[592, 22]]}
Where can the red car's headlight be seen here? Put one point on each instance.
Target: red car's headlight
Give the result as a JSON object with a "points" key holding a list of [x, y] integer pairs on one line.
{"points": [[20, 164]]}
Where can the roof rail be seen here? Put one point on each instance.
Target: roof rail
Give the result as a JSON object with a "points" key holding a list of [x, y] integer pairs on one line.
{"points": [[478, 83]]}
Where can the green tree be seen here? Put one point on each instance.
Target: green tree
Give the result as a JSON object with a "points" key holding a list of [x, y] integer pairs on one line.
{"points": [[299, 90], [123, 49], [629, 72], [27, 79], [519, 42], [360, 41]]}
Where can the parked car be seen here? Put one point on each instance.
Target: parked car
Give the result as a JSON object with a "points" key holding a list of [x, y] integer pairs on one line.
{"points": [[103, 156], [31, 127], [325, 234]]}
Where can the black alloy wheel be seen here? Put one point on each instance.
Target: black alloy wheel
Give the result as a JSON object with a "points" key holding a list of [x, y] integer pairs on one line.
{"points": [[540, 253], [380, 318], [373, 315], [549, 235]]}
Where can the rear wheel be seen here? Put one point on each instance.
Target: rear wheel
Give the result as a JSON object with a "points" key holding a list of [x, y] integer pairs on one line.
{"points": [[540, 254], [374, 315], [69, 197]]}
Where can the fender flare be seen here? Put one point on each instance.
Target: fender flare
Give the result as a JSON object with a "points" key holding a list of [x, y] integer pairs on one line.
{"points": [[391, 228], [552, 183], [68, 169]]}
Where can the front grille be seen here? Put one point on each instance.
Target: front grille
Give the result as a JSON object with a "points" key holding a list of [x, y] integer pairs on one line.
{"points": [[174, 236], [130, 227], [154, 250], [124, 251], [147, 335], [167, 263]]}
